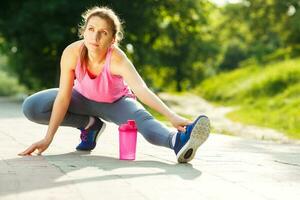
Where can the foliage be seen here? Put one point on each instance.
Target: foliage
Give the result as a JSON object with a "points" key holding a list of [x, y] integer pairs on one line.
{"points": [[266, 95], [164, 34], [256, 29], [234, 54], [9, 85]]}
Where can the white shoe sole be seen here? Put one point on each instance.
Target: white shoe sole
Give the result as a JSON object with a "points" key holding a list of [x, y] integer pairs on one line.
{"points": [[100, 132], [198, 136]]}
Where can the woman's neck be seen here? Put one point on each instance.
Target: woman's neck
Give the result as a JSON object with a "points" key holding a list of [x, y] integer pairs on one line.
{"points": [[96, 57]]}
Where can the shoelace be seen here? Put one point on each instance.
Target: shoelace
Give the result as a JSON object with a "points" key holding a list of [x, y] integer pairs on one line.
{"points": [[83, 135]]}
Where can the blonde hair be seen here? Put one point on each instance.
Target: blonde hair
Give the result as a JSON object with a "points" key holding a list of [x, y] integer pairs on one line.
{"points": [[106, 14]]}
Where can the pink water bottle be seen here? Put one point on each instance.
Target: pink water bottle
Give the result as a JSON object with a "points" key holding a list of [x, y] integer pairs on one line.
{"points": [[127, 140]]}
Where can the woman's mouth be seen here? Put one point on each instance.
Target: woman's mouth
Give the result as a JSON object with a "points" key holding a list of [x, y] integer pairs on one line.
{"points": [[94, 45]]}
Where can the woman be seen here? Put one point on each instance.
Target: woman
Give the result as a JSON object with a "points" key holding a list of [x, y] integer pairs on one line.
{"points": [[94, 84]]}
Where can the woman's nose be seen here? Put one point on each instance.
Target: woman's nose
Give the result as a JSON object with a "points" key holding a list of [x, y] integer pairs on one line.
{"points": [[97, 36]]}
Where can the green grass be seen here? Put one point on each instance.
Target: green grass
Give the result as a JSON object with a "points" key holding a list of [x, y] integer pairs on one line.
{"points": [[266, 95], [9, 85]]}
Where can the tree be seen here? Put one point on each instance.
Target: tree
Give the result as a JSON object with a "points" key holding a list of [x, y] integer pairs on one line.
{"points": [[164, 34], [184, 38]]}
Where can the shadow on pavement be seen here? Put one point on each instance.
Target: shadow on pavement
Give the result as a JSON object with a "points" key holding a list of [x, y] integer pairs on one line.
{"points": [[40, 172]]}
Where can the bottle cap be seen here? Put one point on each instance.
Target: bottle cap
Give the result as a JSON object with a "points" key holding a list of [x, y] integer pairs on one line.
{"points": [[131, 122], [130, 125]]}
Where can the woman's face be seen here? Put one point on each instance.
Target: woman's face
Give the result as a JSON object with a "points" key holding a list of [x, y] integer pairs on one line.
{"points": [[98, 34]]}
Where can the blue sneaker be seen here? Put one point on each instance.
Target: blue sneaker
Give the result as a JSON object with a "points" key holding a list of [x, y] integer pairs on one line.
{"points": [[187, 143], [89, 136]]}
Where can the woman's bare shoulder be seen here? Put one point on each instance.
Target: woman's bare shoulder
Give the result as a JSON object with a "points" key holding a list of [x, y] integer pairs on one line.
{"points": [[75, 48], [118, 55], [71, 54], [119, 61]]}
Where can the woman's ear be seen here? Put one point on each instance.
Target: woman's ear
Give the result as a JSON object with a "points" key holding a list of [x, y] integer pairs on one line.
{"points": [[113, 41]]}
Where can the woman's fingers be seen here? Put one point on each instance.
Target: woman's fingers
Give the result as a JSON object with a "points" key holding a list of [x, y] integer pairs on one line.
{"points": [[181, 128], [40, 146], [40, 151], [28, 151]]}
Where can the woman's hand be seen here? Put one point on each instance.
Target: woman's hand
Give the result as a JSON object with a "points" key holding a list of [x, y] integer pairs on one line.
{"points": [[179, 122], [41, 146]]}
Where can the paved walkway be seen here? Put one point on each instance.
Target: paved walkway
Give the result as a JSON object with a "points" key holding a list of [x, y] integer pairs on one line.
{"points": [[225, 167]]}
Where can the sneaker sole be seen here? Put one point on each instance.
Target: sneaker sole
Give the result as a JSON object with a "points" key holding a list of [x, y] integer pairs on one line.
{"points": [[100, 132], [198, 136]]}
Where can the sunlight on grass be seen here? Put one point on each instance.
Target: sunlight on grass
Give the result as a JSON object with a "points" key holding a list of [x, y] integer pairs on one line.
{"points": [[267, 95]]}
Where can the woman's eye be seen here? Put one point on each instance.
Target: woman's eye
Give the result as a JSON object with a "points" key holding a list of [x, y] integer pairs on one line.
{"points": [[91, 29]]}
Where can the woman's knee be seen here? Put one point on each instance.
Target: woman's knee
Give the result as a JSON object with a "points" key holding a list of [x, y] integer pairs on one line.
{"points": [[29, 108], [36, 105]]}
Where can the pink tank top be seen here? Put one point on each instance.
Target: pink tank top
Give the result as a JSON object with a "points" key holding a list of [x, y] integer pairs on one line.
{"points": [[105, 87]]}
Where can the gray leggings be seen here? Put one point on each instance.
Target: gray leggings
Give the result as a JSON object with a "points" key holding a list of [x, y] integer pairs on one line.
{"points": [[38, 108]]}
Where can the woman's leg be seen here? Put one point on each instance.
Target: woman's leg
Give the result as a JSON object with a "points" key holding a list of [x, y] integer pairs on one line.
{"points": [[38, 108], [127, 108]]}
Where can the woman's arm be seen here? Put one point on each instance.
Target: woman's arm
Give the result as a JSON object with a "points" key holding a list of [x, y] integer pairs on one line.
{"points": [[125, 68], [63, 98], [61, 103]]}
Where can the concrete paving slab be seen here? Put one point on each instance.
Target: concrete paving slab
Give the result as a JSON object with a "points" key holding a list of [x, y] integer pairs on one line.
{"points": [[225, 167]]}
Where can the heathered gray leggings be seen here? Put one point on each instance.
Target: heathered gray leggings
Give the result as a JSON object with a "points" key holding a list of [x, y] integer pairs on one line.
{"points": [[38, 108]]}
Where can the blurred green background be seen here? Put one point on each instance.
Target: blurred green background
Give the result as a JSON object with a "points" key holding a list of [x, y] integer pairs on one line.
{"points": [[245, 54]]}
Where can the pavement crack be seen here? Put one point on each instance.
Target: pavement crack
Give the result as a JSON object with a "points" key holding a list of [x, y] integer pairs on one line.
{"points": [[59, 168], [286, 163], [12, 138]]}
